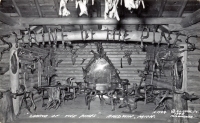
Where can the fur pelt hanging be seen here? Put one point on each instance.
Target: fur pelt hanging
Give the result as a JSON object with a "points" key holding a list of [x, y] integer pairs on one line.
{"points": [[133, 4], [63, 11], [83, 6], [111, 9]]}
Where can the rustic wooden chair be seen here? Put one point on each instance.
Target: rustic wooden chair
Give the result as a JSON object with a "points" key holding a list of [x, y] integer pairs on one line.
{"points": [[68, 92], [79, 87], [25, 96]]}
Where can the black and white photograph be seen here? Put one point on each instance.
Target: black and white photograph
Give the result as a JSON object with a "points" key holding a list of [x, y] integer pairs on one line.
{"points": [[99, 61]]}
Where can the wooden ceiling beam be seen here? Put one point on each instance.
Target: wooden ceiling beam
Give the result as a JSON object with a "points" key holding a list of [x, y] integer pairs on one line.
{"points": [[94, 21], [39, 12], [56, 6], [182, 8], [133, 36], [191, 19], [7, 20], [99, 12], [38, 8], [173, 27], [162, 7], [17, 8]]}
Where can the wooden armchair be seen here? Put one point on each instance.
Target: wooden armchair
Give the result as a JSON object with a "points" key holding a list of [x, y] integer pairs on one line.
{"points": [[68, 92]]}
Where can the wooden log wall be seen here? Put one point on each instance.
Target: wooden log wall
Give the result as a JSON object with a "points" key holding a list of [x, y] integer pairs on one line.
{"points": [[5, 79], [193, 77], [193, 85], [67, 69], [25, 76]]}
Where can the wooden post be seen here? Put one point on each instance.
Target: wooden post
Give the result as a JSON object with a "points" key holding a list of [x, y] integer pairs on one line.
{"points": [[14, 76], [180, 103], [184, 61]]}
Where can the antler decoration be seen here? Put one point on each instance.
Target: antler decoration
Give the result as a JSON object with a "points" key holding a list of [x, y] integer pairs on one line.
{"points": [[100, 49], [83, 60], [114, 34], [58, 62], [74, 52], [191, 46], [20, 52], [107, 38], [176, 40], [125, 35], [85, 71], [50, 34], [5, 49], [86, 34], [49, 70], [17, 39], [32, 36], [147, 64], [32, 65], [154, 36], [43, 42], [74, 55], [92, 33], [42, 61], [55, 39], [167, 39], [127, 54], [144, 37], [119, 35]]}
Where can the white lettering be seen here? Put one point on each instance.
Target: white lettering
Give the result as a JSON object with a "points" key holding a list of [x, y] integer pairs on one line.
{"points": [[88, 116], [35, 116], [71, 116]]}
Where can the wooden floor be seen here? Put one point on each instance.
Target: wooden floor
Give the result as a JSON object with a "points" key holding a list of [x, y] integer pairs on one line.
{"points": [[76, 111]]}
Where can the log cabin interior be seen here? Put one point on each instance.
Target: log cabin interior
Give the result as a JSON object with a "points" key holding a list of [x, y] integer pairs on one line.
{"points": [[100, 61]]}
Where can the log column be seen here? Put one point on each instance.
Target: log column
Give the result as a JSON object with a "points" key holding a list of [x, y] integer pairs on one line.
{"points": [[181, 104], [14, 76]]}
